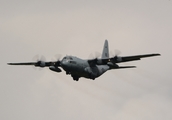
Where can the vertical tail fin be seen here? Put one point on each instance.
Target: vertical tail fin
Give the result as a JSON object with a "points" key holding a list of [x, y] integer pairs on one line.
{"points": [[105, 52]]}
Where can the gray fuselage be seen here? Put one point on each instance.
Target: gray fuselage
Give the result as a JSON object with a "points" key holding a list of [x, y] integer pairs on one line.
{"points": [[81, 68]]}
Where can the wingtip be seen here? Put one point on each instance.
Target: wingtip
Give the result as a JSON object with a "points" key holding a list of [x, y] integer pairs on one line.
{"points": [[157, 54], [10, 63], [132, 67]]}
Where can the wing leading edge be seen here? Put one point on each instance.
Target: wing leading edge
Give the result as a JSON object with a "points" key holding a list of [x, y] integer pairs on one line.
{"points": [[37, 64], [29, 63]]}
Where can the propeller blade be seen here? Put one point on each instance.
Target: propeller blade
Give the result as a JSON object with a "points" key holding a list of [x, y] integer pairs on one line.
{"points": [[115, 56], [42, 58], [117, 52], [97, 54], [94, 56], [58, 57], [36, 57]]}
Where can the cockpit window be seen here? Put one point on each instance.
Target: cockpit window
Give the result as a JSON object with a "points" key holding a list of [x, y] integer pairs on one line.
{"points": [[68, 58]]}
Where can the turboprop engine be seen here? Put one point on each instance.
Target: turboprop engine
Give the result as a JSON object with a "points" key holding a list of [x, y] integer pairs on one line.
{"points": [[40, 64]]}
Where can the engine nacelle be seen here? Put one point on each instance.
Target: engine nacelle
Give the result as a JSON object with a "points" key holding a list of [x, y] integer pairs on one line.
{"points": [[116, 59], [42, 64], [119, 59], [56, 69]]}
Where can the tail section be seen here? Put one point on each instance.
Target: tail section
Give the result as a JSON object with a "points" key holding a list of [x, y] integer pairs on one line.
{"points": [[105, 53]]}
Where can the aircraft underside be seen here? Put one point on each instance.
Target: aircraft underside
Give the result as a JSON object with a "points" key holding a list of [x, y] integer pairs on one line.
{"points": [[87, 72]]}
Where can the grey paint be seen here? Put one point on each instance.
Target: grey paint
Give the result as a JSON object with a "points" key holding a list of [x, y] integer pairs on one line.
{"points": [[93, 68], [105, 52], [44, 27]]}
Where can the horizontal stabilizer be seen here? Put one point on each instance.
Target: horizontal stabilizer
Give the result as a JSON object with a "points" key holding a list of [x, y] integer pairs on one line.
{"points": [[122, 67]]}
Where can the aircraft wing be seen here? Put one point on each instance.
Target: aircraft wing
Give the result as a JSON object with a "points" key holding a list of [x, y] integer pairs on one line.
{"points": [[28, 63], [36, 64], [117, 59], [92, 62]]}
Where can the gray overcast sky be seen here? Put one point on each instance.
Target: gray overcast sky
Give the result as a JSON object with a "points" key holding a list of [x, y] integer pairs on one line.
{"points": [[79, 28]]}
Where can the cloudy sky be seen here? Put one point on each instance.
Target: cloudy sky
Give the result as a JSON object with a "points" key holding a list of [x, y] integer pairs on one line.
{"points": [[79, 28]]}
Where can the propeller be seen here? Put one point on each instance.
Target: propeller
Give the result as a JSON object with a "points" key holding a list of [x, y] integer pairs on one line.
{"points": [[58, 60], [94, 56], [115, 53], [115, 56], [40, 61], [58, 57]]}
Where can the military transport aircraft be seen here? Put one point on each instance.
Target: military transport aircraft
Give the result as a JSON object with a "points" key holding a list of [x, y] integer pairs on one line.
{"points": [[91, 68]]}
